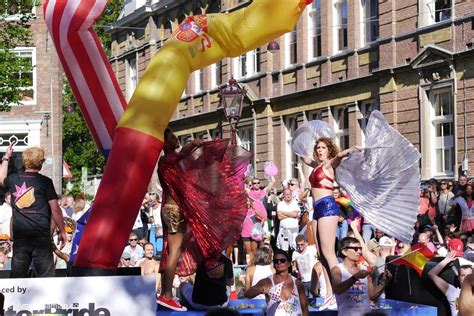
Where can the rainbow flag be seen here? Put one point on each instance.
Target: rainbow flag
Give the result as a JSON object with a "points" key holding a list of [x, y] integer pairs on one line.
{"points": [[416, 257]]}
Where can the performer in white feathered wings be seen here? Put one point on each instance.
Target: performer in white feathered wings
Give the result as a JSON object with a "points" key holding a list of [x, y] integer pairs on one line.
{"points": [[382, 179]]}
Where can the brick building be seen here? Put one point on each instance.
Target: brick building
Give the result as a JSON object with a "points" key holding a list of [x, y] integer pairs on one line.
{"points": [[345, 58], [38, 121]]}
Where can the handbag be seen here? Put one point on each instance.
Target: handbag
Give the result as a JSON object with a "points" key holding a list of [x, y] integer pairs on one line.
{"points": [[257, 232]]}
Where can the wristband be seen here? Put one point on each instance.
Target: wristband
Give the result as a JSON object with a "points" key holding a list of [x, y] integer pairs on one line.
{"points": [[5, 158]]}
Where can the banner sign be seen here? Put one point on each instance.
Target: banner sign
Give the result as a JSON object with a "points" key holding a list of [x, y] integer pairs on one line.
{"points": [[92, 296]]}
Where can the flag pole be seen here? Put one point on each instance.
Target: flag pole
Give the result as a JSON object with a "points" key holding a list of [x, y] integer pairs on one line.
{"points": [[403, 256]]}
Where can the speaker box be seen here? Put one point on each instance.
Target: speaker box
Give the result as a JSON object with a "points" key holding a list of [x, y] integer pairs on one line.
{"points": [[406, 285]]}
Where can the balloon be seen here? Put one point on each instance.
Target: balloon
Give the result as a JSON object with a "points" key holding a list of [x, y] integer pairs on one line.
{"points": [[138, 139], [270, 169], [87, 68]]}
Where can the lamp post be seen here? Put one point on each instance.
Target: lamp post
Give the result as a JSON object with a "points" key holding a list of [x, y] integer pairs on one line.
{"points": [[232, 100]]}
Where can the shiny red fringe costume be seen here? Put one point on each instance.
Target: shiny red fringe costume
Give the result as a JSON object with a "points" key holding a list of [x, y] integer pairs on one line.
{"points": [[208, 187]]}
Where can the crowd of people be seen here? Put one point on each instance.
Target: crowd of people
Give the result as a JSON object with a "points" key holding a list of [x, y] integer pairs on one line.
{"points": [[280, 252]]}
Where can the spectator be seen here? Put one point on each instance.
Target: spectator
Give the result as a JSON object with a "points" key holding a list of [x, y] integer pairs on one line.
{"points": [[260, 268], [367, 231], [79, 209], [5, 263], [452, 293], [6, 215], [256, 194], [134, 249], [466, 203], [460, 186], [252, 229], [284, 293], [62, 256], [125, 260], [287, 212], [307, 228], [443, 201], [466, 297], [342, 225], [156, 225], [149, 266], [304, 259], [425, 239], [350, 282], [34, 209], [211, 287], [67, 204]]}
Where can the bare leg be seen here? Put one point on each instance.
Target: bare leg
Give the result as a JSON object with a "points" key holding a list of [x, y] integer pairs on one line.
{"points": [[174, 251], [327, 239], [248, 250]]}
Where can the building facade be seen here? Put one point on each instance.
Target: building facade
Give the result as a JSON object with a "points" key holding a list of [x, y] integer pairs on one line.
{"points": [[410, 59], [38, 120]]}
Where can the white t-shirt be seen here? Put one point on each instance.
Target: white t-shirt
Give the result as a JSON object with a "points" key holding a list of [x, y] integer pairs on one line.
{"points": [[136, 254], [452, 294], [288, 207], [355, 301], [5, 216], [306, 262]]}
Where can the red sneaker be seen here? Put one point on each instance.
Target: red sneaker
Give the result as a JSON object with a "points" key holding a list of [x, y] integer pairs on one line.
{"points": [[170, 303]]}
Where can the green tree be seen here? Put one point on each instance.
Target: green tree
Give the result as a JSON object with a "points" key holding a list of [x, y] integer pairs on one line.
{"points": [[79, 149], [15, 71]]}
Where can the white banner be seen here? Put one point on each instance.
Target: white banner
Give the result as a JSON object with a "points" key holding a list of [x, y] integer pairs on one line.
{"points": [[91, 296]]}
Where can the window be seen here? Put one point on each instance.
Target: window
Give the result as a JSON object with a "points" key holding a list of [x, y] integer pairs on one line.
{"points": [[340, 24], [341, 126], [291, 50], [27, 75], [443, 10], [132, 77], [369, 21], [247, 64], [245, 138], [14, 10], [291, 124], [443, 129], [198, 80], [433, 11], [366, 108], [216, 134], [314, 31], [315, 115], [216, 74], [205, 136]]}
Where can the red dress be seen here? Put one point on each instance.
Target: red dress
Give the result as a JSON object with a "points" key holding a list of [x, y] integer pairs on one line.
{"points": [[207, 185]]}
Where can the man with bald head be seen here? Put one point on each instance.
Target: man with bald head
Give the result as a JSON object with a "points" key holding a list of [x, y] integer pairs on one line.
{"points": [[288, 214]]}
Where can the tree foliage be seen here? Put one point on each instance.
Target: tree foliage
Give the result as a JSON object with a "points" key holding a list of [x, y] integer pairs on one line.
{"points": [[15, 72], [79, 149]]}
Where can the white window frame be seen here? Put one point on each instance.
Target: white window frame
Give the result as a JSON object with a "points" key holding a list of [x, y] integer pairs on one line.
{"points": [[247, 64], [30, 127], [339, 24], [446, 143], [341, 132], [291, 124], [198, 80], [314, 29], [366, 20], [32, 51], [132, 76], [245, 137], [366, 108], [213, 76], [291, 38], [315, 115], [204, 135], [428, 14]]}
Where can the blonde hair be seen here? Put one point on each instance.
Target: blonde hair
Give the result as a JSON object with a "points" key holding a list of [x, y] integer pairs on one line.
{"points": [[33, 158], [79, 205]]}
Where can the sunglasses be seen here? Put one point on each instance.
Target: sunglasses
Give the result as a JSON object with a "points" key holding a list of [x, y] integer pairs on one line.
{"points": [[278, 261], [255, 182], [354, 248], [299, 245], [292, 184], [134, 239]]}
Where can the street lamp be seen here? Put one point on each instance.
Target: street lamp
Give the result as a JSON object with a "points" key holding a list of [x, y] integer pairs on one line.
{"points": [[232, 100]]}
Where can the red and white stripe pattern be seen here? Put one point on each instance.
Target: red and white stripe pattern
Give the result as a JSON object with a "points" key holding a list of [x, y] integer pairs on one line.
{"points": [[91, 77]]}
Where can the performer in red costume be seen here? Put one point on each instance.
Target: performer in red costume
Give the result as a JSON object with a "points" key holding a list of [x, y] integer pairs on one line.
{"points": [[204, 205]]}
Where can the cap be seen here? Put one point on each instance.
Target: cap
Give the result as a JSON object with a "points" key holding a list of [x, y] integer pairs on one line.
{"points": [[456, 244], [126, 256], [372, 244], [386, 241]]}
